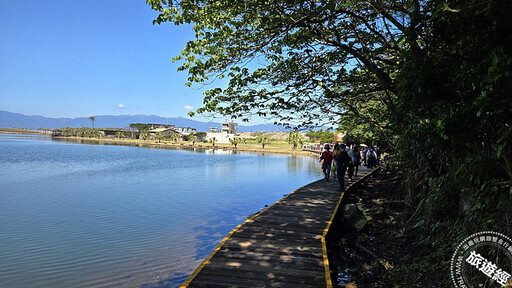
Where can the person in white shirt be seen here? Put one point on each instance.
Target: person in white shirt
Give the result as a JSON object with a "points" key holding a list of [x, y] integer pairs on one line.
{"points": [[350, 153]]}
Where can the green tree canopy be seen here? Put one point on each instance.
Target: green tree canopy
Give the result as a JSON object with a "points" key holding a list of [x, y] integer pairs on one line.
{"points": [[311, 60], [92, 118], [120, 134], [200, 136], [192, 137], [295, 138], [140, 126], [326, 136], [175, 137], [263, 140], [235, 141], [144, 135], [312, 135], [159, 136]]}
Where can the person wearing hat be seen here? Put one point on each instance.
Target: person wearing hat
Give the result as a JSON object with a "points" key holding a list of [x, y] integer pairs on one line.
{"points": [[327, 158], [342, 160]]}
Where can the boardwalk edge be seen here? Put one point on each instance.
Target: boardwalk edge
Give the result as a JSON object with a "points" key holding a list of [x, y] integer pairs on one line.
{"points": [[328, 279]]}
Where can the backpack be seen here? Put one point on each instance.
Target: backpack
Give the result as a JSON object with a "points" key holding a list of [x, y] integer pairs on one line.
{"points": [[372, 155], [357, 156], [342, 158]]}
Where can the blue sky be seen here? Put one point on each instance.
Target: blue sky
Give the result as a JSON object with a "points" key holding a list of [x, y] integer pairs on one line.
{"points": [[91, 57]]}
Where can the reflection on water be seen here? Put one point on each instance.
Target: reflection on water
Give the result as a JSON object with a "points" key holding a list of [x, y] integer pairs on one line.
{"points": [[117, 216]]}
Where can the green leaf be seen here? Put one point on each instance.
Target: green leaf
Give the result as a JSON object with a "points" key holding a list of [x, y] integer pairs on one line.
{"points": [[420, 223], [500, 150], [459, 169]]}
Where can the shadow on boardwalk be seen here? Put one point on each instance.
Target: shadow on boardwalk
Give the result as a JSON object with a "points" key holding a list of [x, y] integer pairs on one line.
{"points": [[279, 247]]}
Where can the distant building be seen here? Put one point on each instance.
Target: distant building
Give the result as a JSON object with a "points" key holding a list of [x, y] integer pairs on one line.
{"points": [[156, 126], [113, 133], [228, 132], [166, 132], [229, 127], [186, 130], [180, 130], [220, 137]]}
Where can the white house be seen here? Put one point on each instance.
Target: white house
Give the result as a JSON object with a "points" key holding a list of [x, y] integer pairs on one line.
{"points": [[228, 132], [220, 137]]}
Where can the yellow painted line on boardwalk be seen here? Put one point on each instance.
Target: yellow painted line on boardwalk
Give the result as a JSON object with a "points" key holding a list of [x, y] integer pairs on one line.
{"points": [[207, 259], [327, 269]]}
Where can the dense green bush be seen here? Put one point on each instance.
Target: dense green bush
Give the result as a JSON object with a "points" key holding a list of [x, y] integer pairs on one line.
{"points": [[455, 98]]}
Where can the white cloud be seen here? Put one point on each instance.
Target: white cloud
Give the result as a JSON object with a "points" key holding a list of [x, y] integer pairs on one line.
{"points": [[187, 107], [121, 106]]}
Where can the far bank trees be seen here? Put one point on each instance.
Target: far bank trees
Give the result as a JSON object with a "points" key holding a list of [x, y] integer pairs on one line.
{"points": [[263, 140], [295, 138]]}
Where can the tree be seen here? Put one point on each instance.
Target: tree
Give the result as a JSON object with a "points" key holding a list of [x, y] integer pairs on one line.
{"points": [[263, 140], [159, 136], [321, 58], [200, 136], [92, 118], [144, 135], [119, 134], [312, 135], [175, 137], [235, 141], [140, 126], [192, 137], [453, 101], [295, 138], [326, 136], [213, 140]]}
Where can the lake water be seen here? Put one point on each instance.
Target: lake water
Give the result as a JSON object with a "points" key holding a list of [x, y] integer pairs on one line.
{"points": [[75, 215]]}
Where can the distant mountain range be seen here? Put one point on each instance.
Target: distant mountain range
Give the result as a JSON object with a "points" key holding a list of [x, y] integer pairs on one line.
{"points": [[17, 120]]}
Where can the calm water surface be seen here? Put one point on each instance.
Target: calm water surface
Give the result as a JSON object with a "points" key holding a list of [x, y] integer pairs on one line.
{"points": [[74, 215]]}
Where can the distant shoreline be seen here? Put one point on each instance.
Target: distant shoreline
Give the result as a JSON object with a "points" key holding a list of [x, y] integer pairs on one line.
{"points": [[185, 145], [166, 144], [23, 131]]}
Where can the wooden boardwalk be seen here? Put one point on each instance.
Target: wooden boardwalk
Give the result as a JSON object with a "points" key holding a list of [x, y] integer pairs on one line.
{"points": [[282, 246]]}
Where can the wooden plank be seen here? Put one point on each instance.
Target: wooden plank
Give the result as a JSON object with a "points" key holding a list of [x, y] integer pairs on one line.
{"points": [[229, 253], [272, 248], [261, 276], [281, 269], [253, 279], [291, 240], [245, 257], [280, 230]]}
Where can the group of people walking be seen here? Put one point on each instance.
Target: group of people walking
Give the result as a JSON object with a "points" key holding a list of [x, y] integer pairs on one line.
{"points": [[344, 158]]}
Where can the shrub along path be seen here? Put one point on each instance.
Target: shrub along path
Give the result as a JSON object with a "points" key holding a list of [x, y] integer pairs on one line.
{"points": [[388, 251]]}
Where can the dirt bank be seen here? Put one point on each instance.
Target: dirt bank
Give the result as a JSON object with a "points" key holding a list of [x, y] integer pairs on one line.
{"points": [[386, 252]]}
